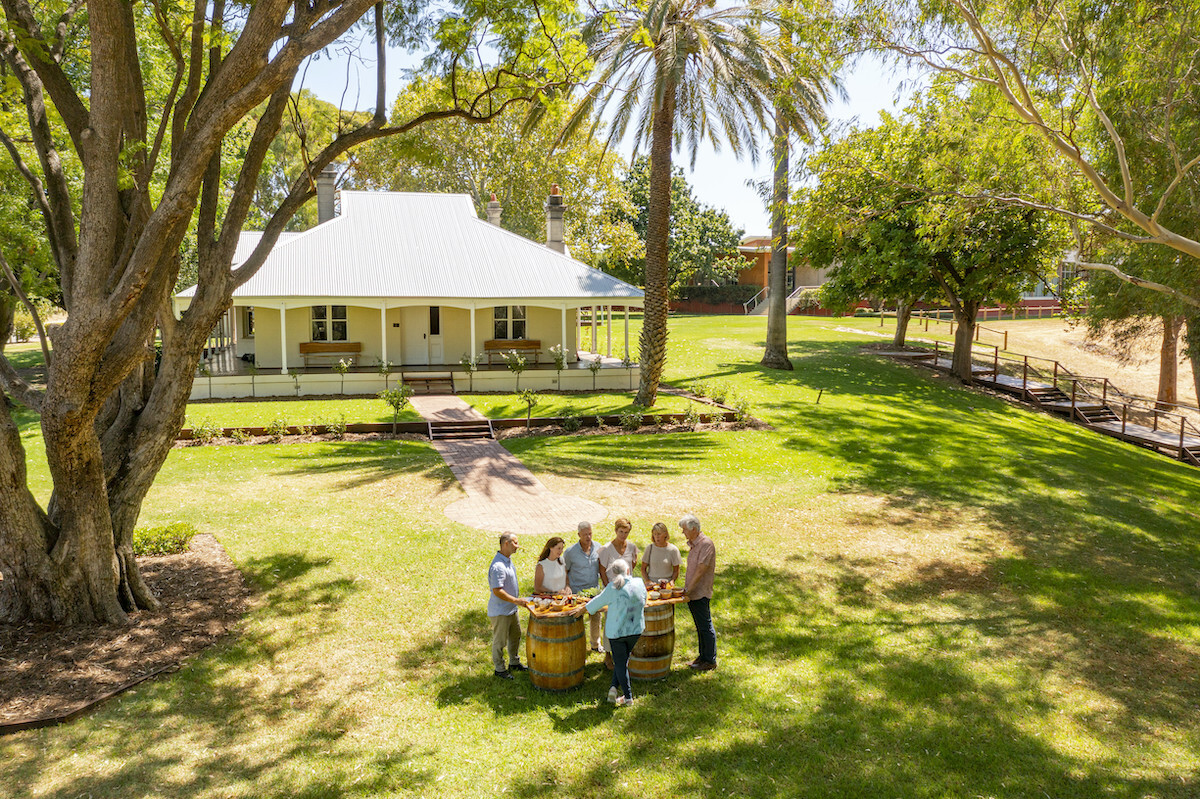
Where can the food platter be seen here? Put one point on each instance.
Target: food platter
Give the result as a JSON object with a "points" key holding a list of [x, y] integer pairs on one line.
{"points": [[549, 606], [663, 592]]}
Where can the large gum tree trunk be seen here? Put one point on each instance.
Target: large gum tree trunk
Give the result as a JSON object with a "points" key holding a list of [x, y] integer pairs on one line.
{"points": [[904, 309], [964, 336], [1168, 363], [75, 562], [654, 325], [1191, 341], [108, 419]]}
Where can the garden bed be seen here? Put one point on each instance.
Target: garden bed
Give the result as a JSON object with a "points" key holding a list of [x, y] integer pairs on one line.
{"points": [[51, 674]]}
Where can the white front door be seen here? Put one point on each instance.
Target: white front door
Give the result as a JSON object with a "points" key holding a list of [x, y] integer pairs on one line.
{"points": [[415, 324], [436, 354]]}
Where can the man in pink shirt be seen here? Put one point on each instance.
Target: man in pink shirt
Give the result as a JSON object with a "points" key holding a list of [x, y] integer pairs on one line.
{"points": [[698, 586]]}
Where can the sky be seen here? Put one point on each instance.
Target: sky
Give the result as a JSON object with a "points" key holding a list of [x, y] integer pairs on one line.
{"points": [[718, 179]]}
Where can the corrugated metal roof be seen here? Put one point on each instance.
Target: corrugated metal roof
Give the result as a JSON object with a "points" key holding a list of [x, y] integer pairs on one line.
{"points": [[390, 244]]}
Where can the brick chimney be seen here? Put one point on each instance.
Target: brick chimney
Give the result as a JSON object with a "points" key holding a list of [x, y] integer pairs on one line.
{"points": [[554, 220], [326, 183], [493, 211]]}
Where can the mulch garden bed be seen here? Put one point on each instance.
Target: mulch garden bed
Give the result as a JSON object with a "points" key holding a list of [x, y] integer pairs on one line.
{"points": [[48, 674]]}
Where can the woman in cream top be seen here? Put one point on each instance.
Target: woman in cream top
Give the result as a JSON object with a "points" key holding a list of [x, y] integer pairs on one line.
{"points": [[550, 577]]}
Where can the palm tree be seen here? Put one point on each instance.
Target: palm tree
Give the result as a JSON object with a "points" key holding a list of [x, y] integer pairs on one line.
{"points": [[802, 94], [688, 70]]}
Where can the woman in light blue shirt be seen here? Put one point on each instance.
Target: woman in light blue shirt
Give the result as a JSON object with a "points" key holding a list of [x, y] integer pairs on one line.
{"points": [[625, 598]]}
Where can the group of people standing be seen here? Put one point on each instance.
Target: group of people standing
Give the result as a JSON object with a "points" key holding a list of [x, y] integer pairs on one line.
{"points": [[585, 565]]}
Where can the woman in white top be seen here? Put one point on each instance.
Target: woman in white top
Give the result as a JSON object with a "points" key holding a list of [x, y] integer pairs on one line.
{"points": [[551, 575], [661, 559]]}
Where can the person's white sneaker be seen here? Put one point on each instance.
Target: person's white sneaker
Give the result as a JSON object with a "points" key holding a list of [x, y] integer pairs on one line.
{"points": [[613, 693]]}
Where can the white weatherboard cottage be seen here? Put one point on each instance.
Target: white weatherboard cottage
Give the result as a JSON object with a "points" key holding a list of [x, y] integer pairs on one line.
{"points": [[417, 281]]}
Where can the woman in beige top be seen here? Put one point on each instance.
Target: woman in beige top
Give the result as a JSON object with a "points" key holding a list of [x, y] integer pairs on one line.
{"points": [[661, 559]]}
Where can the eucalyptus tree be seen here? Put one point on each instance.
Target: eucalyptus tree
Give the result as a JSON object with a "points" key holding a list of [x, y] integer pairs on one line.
{"points": [[1110, 87], [146, 96], [884, 211], [865, 228], [679, 71]]}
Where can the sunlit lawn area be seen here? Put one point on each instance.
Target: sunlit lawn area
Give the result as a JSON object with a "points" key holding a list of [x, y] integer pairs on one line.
{"points": [[922, 592], [358, 409]]}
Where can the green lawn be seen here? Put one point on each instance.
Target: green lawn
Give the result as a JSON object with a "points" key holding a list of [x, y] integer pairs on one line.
{"points": [[922, 592], [259, 413]]}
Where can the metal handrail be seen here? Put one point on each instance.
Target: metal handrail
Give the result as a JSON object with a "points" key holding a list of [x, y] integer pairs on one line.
{"points": [[752, 303]]}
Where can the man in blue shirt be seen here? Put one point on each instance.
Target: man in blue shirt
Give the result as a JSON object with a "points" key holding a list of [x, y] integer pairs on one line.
{"points": [[582, 561], [502, 608]]}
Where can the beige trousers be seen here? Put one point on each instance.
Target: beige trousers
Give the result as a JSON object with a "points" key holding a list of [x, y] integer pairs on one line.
{"points": [[506, 632]]}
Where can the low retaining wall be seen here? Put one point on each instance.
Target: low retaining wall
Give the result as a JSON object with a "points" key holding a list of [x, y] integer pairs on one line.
{"points": [[422, 428]]}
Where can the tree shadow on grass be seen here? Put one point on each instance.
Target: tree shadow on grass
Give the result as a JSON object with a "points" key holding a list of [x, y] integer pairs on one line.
{"points": [[367, 462], [455, 663], [240, 719], [927, 684], [610, 457]]}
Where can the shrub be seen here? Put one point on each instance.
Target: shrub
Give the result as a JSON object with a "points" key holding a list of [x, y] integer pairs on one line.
{"points": [[397, 398], [516, 364], [571, 421], [657, 419], [718, 294], [341, 367], [692, 417], [741, 411], [169, 539], [295, 375], [470, 367], [530, 398], [560, 360], [809, 299], [205, 431], [337, 427], [239, 435], [595, 366], [698, 387], [277, 429], [718, 392], [632, 418]]}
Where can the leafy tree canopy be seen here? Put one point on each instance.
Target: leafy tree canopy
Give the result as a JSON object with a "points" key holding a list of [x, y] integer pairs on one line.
{"points": [[500, 158], [702, 240]]}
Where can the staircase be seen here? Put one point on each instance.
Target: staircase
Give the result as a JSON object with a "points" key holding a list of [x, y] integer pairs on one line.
{"points": [[761, 305], [429, 382], [473, 429], [1096, 414], [1047, 395], [1190, 455]]}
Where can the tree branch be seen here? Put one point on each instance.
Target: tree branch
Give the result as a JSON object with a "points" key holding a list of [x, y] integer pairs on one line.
{"points": [[70, 107], [1139, 282], [20, 292]]}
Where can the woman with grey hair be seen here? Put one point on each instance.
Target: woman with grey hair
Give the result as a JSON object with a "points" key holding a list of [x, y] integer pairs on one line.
{"points": [[625, 598]]}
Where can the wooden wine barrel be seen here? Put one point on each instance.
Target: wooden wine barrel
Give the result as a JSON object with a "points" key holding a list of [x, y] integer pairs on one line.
{"points": [[555, 651], [651, 658]]}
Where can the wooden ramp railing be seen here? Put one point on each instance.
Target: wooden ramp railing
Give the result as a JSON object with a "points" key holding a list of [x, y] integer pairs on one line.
{"points": [[1094, 402]]}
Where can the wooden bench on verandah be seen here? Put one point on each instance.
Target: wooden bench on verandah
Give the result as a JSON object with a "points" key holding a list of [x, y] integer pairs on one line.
{"points": [[332, 350], [499, 346]]}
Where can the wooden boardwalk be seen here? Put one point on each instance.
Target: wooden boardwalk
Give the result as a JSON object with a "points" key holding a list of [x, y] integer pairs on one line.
{"points": [[1111, 418]]}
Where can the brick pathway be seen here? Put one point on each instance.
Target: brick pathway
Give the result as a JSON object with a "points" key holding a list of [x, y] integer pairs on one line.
{"points": [[502, 494]]}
